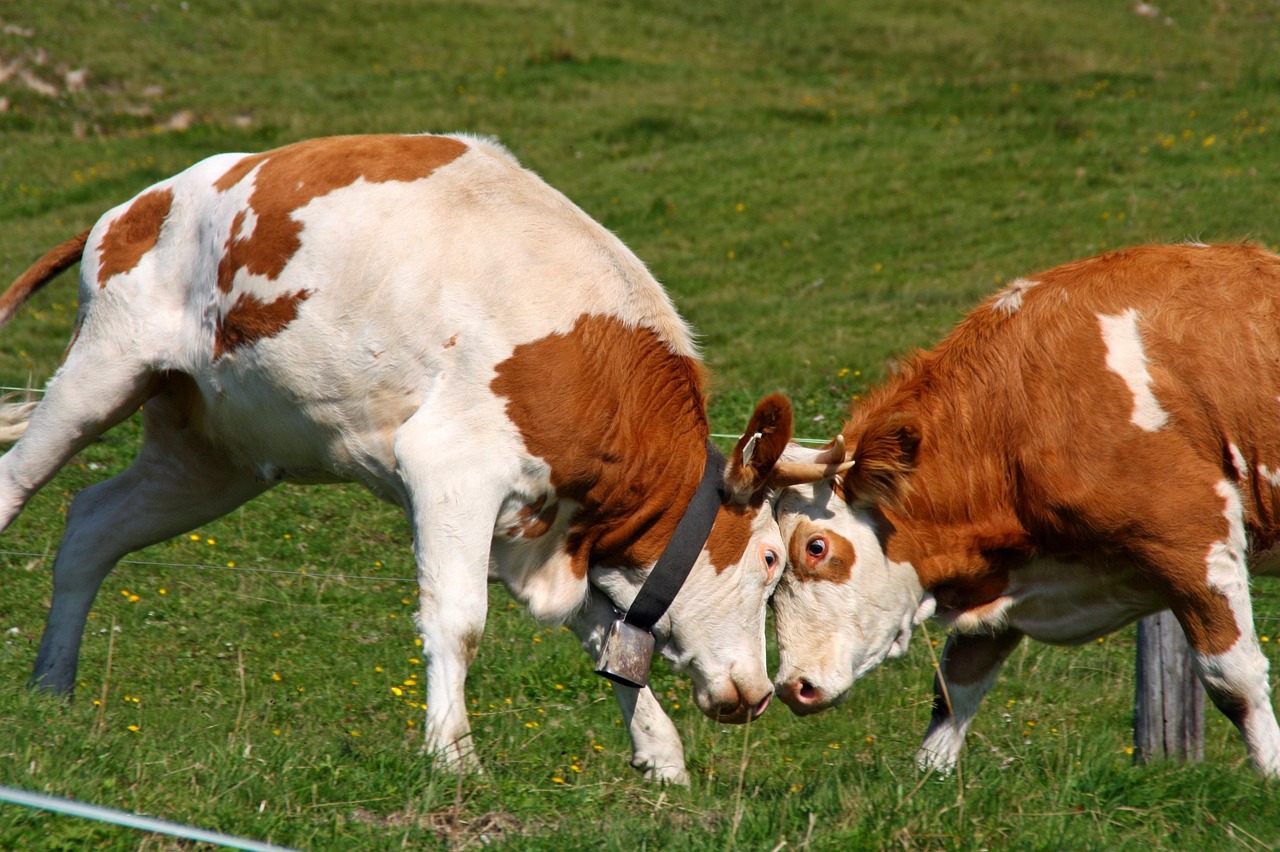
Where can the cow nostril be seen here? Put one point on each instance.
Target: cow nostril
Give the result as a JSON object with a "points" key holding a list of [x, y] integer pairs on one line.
{"points": [[808, 692], [762, 706]]}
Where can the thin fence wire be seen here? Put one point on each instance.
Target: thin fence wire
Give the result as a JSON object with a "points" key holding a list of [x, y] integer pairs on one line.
{"points": [[313, 575], [725, 436], [200, 566], [127, 819]]}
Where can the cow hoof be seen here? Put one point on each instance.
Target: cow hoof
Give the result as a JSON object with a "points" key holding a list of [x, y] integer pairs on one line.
{"points": [[932, 761], [666, 775], [456, 760]]}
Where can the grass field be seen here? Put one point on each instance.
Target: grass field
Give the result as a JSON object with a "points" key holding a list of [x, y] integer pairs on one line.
{"points": [[821, 187]]}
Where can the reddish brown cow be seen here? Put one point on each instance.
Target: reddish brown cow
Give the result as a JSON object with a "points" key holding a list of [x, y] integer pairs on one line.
{"points": [[1091, 445]]}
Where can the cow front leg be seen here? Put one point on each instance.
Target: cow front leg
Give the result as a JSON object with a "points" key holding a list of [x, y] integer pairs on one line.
{"points": [[1207, 587], [1238, 684], [970, 663], [656, 749], [1231, 665], [453, 502], [450, 620]]}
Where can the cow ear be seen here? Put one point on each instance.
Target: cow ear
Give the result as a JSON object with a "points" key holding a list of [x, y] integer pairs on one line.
{"points": [[884, 452], [759, 449]]}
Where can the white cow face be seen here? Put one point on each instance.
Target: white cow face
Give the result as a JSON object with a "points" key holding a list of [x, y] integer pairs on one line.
{"points": [[714, 630], [842, 607]]}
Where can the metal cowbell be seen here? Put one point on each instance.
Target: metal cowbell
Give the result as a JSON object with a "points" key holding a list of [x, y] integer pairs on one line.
{"points": [[626, 655]]}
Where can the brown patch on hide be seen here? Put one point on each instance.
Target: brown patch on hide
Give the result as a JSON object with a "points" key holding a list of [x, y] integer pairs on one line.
{"points": [[250, 319], [533, 521], [291, 177], [132, 234], [731, 534], [620, 419]]}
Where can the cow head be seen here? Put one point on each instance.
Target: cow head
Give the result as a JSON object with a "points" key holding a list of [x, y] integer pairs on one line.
{"points": [[714, 628], [842, 606]]}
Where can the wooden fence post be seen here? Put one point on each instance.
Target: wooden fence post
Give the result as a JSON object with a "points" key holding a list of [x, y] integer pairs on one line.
{"points": [[1168, 704]]}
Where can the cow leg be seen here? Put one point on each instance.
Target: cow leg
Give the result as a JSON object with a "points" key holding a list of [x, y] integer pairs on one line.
{"points": [[455, 492], [1199, 565], [178, 482], [86, 397], [1231, 664], [1237, 682], [1214, 609], [656, 749], [970, 663]]}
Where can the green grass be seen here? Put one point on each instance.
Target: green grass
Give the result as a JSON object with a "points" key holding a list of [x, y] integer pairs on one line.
{"points": [[821, 187]]}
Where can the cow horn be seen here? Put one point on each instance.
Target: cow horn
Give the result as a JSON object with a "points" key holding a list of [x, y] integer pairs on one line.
{"points": [[827, 464], [833, 454]]}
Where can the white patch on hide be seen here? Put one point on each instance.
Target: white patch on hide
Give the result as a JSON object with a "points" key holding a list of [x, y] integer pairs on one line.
{"points": [[1271, 477], [1225, 561], [1009, 300], [1126, 358], [1237, 460]]}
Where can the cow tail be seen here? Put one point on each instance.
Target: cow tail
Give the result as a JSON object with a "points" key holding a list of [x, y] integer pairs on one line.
{"points": [[39, 274], [16, 408]]}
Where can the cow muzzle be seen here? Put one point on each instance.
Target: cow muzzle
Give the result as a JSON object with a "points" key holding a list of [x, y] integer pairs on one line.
{"points": [[806, 698], [734, 705]]}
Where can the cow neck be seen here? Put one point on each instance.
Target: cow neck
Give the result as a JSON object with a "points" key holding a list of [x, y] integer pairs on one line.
{"points": [[678, 557]]}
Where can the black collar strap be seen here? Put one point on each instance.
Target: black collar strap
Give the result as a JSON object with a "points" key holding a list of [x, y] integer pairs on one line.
{"points": [[675, 563]]}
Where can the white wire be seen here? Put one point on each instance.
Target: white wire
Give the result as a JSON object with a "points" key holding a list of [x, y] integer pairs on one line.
{"points": [[71, 807], [320, 575]]}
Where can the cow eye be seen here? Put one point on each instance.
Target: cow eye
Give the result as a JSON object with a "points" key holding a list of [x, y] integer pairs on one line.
{"points": [[817, 548], [770, 559]]}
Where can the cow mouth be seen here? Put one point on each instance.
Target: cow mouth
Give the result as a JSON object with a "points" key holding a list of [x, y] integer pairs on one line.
{"points": [[737, 710]]}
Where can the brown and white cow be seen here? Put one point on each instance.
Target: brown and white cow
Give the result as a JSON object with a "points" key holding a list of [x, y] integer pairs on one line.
{"points": [[1091, 445], [423, 316]]}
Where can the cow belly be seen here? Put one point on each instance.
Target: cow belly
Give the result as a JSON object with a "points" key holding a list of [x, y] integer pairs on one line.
{"points": [[1266, 563], [279, 438], [1071, 602]]}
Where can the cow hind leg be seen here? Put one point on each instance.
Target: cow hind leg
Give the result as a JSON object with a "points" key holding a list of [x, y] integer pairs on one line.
{"points": [[970, 663], [87, 396], [178, 482]]}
